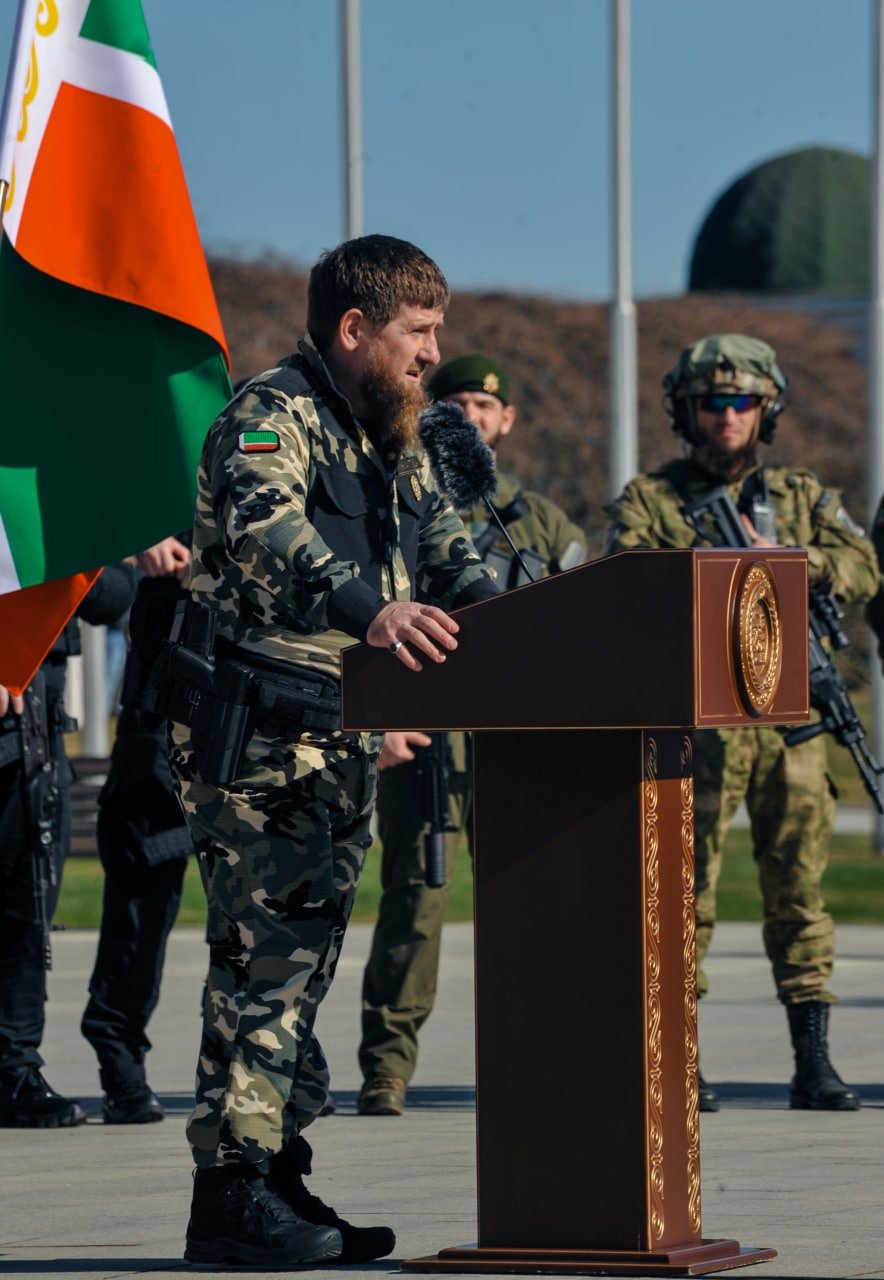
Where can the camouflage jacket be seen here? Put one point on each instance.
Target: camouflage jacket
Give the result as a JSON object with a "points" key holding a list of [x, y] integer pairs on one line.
{"points": [[304, 530], [648, 514], [536, 525]]}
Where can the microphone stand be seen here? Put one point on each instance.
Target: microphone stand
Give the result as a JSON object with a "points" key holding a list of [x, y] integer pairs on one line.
{"points": [[493, 512]]}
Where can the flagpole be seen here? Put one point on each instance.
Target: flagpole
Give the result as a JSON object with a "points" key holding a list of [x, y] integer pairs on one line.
{"points": [[351, 75], [12, 95], [623, 359], [875, 465]]}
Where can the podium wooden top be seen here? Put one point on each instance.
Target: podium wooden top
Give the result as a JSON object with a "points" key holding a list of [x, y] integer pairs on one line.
{"points": [[644, 638]]}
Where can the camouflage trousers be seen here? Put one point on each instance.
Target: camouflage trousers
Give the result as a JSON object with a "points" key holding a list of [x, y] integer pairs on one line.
{"points": [[280, 853], [399, 986], [791, 812]]}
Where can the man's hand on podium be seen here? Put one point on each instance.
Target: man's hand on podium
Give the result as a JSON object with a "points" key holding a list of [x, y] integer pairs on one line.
{"points": [[404, 625]]}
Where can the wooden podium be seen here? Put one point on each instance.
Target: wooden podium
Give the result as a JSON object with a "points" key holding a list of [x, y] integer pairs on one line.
{"points": [[585, 942]]}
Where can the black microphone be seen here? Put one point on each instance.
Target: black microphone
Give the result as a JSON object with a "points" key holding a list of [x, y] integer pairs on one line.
{"points": [[462, 463]]}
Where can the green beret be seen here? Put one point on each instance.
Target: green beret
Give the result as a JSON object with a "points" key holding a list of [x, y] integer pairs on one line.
{"points": [[470, 373]]}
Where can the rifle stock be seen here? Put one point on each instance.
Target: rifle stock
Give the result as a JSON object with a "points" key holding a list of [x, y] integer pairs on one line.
{"points": [[39, 782], [432, 763]]}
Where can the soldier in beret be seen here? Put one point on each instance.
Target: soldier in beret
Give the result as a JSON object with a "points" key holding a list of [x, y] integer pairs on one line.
{"points": [[399, 987], [725, 395]]}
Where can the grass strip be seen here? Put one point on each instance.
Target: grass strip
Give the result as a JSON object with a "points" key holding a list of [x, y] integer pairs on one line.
{"points": [[853, 887]]}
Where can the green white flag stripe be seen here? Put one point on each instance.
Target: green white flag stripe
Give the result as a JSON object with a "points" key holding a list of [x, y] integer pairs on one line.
{"points": [[9, 579]]}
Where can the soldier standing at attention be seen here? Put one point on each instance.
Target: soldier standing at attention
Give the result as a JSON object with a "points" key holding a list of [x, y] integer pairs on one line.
{"points": [[143, 844], [725, 395], [317, 517], [399, 987], [35, 829]]}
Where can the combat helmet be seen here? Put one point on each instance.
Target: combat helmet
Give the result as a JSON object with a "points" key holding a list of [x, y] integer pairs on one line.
{"points": [[730, 363]]}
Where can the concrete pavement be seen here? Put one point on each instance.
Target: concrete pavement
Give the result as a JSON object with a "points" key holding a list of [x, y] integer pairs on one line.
{"points": [[101, 1202]]}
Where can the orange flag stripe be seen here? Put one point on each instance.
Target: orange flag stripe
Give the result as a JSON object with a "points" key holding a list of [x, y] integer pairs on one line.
{"points": [[30, 621], [108, 210]]}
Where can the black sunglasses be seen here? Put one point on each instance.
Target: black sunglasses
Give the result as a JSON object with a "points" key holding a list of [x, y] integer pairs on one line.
{"points": [[719, 403]]}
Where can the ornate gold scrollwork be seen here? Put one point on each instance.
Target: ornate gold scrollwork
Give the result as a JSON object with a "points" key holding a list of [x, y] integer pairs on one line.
{"points": [[689, 954], [47, 17], [46, 23], [758, 638], [32, 81], [654, 1011]]}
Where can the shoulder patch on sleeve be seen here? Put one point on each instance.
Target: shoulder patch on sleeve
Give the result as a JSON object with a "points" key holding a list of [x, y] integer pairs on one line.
{"points": [[258, 441]]}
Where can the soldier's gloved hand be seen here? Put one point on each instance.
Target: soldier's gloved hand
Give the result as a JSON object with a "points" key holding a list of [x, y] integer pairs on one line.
{"points": [[7, 698], [404, 625], [397, 747]]}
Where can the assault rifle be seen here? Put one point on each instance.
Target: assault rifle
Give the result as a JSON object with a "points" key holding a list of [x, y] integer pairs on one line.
{"points": [[40, 795], [717, 519], [433, 768]]}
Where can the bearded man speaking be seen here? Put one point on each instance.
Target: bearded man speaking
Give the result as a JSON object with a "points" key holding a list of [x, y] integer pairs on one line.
{"points": [[317, 520]]}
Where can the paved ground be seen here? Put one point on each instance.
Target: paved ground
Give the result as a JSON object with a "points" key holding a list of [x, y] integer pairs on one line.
{"points": [[102, 1202]]}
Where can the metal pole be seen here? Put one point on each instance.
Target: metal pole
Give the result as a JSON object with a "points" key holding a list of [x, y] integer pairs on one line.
{"points": [[623, 366], [876, 354], [351, 75], [96, 740]]}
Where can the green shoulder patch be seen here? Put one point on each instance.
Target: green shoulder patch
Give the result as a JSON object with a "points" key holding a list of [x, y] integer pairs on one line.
{"points": [[258, 441]]}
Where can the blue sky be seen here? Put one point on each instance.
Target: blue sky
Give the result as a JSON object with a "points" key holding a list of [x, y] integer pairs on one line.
{"points": [[486, 123]]}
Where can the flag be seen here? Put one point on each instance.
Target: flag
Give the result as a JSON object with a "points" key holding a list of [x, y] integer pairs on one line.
{"points": [[112, 353]]}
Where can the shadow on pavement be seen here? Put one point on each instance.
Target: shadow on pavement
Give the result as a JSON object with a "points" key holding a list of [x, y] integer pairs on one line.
{"points": [[774, 1096], [79, 1265], [420, 1098]]}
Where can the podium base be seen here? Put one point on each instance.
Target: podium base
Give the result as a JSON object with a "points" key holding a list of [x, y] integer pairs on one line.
{"points": [[687, 1260]]}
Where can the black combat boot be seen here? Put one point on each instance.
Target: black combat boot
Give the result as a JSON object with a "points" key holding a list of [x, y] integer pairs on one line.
{"points": [[708, 1096], [238, 1220], [27, 1102], [132, 1102], [816, 1085], [287, 1170]]}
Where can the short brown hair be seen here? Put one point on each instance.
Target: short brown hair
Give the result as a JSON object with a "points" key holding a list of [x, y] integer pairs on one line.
{"points": [[376, 274]]}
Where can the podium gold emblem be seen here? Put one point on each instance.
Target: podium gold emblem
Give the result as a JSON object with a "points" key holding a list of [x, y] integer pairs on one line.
{"points": [[758, 638]]}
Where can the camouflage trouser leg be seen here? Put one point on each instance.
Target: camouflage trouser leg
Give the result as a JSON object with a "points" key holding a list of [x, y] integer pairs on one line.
{"points": [[280, 855], [399, 987], [791, 812], [722, 770]]}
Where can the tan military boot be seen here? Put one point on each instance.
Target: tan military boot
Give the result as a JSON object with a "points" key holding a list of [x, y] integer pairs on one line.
{"points": [[381, 1095]]}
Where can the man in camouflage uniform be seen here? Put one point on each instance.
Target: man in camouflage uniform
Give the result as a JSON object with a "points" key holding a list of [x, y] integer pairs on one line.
{"points": [[399, 987], [725, 395], [317, 522]]}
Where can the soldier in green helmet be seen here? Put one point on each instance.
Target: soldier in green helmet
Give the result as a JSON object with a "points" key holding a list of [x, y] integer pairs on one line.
{"points": [[725, 395], [399, 988]]}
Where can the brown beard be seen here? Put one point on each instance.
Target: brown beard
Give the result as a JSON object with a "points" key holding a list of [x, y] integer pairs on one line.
{"points": [[394, 405], [726, 466]]}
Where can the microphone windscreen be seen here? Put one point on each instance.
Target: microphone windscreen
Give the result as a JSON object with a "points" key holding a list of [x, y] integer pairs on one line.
{"points": [[462, 462]]}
